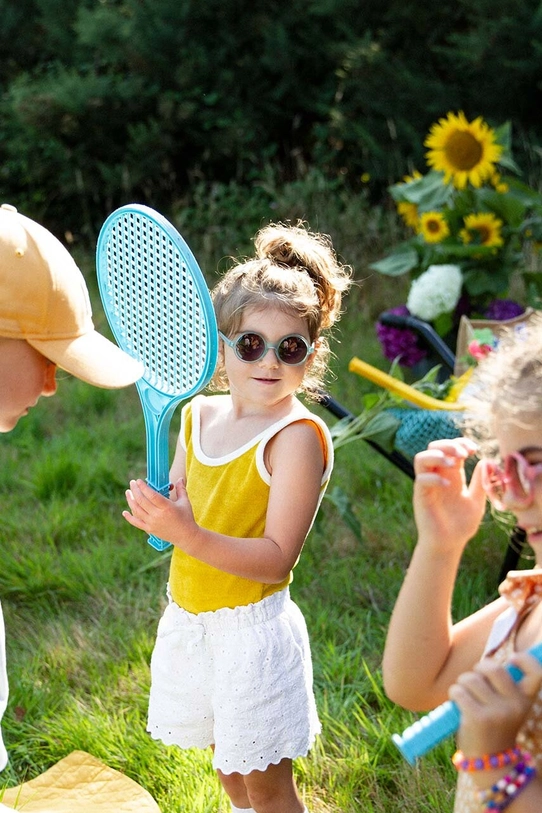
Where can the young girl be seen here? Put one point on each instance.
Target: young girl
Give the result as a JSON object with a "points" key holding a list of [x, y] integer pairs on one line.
{"points": [[428, 658], [231, 668]]}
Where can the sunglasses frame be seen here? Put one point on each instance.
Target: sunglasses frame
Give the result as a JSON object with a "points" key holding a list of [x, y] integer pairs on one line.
{"points": [[526, 475], [234, 344]]}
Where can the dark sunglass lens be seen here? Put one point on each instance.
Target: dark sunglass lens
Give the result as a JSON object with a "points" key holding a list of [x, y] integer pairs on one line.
{"points": [[250, 347], [292, 350]]}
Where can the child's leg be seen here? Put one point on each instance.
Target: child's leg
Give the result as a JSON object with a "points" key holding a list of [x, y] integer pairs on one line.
{"points": [[234, 785], [269, 791], [274, 790]]}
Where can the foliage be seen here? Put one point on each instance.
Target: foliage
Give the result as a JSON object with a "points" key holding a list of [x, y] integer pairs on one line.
{"points": [[474, 229], [138, 100]]}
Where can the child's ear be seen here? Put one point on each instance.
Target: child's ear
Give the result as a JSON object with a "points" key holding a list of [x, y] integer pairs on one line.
{"points": [[314, 353]]}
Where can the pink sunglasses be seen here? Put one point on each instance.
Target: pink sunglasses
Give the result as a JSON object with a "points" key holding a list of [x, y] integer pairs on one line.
{"points": [[509, 484]]}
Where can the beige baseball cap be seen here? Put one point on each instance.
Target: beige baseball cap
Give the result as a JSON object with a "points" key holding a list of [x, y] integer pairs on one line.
{"points": [[44, 300]]}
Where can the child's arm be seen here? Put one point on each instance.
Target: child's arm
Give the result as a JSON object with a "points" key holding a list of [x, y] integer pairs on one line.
{"points": [[493, 709], [424, 651], [296, 464]]}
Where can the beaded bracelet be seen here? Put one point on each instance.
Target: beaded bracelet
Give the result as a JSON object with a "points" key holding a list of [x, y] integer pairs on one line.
{"points": [[507, 788], [488, 762]]}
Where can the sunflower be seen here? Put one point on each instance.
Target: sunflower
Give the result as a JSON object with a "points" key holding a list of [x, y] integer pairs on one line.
{"points": [[485, 228], [465, 151], [408, 210], [433, 227], [409, 213], [499, 185]]}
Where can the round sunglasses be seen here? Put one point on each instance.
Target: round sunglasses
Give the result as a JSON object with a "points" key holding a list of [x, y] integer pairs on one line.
{"points": [[251, 347], [510, 484]]}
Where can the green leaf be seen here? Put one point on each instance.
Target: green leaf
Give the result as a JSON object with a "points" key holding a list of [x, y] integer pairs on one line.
{"points": [[375, 424], [509, 207], [342, 503], [443, 324], [399, 262], [534, 282], [503, 135], [478, 282], [430, 385], [382, 430], [428, 193]]}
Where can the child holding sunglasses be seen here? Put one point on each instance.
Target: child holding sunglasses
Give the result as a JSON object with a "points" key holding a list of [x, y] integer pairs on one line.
{"points": [[231, 668], [427, 657]]}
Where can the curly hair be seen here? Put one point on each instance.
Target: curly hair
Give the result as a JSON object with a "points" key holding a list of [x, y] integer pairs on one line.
{"points": [[298, 272], [506, 387]]}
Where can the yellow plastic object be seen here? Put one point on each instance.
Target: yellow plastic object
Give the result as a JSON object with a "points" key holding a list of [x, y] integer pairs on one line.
{"points": [[79, 782], [459, 384], [405, 391]]}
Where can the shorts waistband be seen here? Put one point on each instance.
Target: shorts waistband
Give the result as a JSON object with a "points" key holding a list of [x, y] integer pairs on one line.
{"points": [[228, 618]]}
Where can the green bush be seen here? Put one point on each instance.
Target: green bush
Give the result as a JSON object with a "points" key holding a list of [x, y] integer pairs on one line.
{"points": [[106, 103]]}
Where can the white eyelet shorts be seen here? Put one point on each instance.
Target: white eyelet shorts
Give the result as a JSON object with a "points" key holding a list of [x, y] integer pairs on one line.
{"points": [[240, 679]]}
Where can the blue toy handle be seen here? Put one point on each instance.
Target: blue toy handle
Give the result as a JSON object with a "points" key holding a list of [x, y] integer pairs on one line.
{"points": [[424, 734], [157, 423]]}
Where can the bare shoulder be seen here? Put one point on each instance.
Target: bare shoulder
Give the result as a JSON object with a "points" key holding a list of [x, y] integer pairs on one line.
{"points": [[303, 429], [302, 439]]}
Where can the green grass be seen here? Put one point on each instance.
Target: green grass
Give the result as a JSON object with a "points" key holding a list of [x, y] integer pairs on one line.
{"points": [[82, 591]]}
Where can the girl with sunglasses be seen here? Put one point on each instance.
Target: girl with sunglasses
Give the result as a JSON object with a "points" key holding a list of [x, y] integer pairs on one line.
{"points": [[231, 668], [428, 658]]}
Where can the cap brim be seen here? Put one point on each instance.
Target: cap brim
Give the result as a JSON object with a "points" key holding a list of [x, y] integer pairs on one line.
{"points": [[93, 359]]}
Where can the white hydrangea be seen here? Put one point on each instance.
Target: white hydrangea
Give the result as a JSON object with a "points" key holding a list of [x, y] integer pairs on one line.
{"points": [[435, 291]]}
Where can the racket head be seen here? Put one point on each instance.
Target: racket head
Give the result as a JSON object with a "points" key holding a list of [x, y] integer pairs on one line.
{"points": [[160, 311], [156, 300]]}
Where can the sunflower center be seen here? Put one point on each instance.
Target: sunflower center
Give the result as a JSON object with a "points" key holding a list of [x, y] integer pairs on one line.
{"points": [[484, 234], [463, 151]]}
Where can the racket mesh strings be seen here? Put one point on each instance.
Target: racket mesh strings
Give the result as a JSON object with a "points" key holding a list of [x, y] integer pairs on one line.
{"points": [[156, 304]]}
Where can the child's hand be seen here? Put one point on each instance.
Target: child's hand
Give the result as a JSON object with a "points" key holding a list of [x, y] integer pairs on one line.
{"points": [[169, 519], [493, 707], [446, 509]]}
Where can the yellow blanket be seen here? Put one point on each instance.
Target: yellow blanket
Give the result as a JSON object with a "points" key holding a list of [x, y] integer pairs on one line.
{"points": [[79, 783]]}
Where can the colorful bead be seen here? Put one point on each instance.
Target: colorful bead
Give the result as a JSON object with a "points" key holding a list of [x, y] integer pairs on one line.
{"points": [[507, 788], [488, 762]]}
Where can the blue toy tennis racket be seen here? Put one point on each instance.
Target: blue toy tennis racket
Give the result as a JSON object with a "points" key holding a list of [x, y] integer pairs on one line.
{"points": [[442, 722], [160, 311]]}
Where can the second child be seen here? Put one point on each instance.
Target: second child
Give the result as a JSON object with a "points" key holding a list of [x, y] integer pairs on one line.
{"points": [[231, 668]]}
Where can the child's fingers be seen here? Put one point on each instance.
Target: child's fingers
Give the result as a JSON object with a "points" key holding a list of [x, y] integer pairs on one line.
{"points": [[455, 447], [444, 454], [488, 678], [476, 488], [476, 685], [532, 672], [144, 495], [436, 468], [133, 520]]}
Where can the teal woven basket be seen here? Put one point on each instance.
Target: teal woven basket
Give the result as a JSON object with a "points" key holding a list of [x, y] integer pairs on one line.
{"points": [[419, 427]]}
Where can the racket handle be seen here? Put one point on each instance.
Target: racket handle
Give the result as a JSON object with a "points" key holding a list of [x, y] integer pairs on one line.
{"points": [[424, 734], [155, 541]]}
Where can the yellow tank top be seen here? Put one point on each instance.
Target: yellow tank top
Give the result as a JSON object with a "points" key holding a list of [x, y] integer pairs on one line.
{"points": [[229, 495]]}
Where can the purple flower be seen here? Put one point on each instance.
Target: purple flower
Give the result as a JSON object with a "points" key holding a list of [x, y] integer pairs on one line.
{"points": [[501, 309], [399, 342]]}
